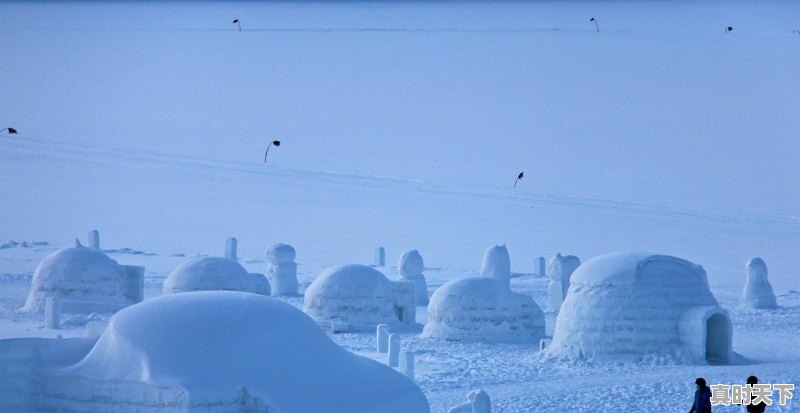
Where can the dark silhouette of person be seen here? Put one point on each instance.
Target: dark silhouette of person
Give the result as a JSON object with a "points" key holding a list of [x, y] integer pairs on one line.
{"points": [[755, 408], [702, 397]]}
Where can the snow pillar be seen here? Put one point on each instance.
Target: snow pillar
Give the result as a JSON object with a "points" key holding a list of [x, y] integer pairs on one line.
{"points": [[282, 270], [94, 240], [380, 257], [133, 284], [382, 338], [541, 266], [410, 267], [230, 248], [52, 313], [758, 291], [560, 271], [394, 350], [497, 264], [407, 363]]}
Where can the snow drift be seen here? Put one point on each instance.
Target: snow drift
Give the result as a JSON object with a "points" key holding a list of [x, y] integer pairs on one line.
{"points": [[229, 351]]}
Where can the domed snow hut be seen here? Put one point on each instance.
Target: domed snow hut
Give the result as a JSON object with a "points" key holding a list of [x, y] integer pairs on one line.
{"points": [[357, 297], [410, 267], [222, 351], [484, 308], [758, 292], [627, 305], [84, 274], [212, 274]]}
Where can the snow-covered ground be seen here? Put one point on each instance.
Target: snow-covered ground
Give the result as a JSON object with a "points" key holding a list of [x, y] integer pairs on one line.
{"points": [[403, 125]]}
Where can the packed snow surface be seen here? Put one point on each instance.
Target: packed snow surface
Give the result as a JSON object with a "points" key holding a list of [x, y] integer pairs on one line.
{"points": [[213, 344]]}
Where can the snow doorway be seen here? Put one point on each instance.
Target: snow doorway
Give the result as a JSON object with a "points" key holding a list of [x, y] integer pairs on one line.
{"points": [[718, 333], [706, 332]]}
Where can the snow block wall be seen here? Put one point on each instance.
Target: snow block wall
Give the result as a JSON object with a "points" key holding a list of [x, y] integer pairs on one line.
{"points": [[484, 308], [561, 269], [214, 273], [281, 269], [358, 298], [20, 383], [629, 304], [84, 274], [262, 356], [758, 292], [410, 267]]}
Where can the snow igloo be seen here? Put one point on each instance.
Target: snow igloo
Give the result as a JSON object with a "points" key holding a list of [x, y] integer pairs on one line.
{"points": [[84, 274], [628, 305], [356, 297], [484, 308], [214, 273], [222, 351]]}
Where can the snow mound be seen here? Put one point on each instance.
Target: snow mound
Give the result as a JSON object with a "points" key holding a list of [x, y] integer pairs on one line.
{"points": [[629, 304], [758, 293], [83, 274], [218, 345], [484, 308], [214, 273], [359, 296]]}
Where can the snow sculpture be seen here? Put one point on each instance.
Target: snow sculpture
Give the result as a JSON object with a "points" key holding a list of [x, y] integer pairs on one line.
{"points": [[382, 338], [260, 359], [497, 264], [477, 402], [84, 274], [561, 269], [94, 240], [410, 267], [394, 350], [625, 305], [214, 273], [360, 297], [484, 308], [281, 269], [230, 248], [380, 257], [407, 363], [540, 264], [758, 292]]}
